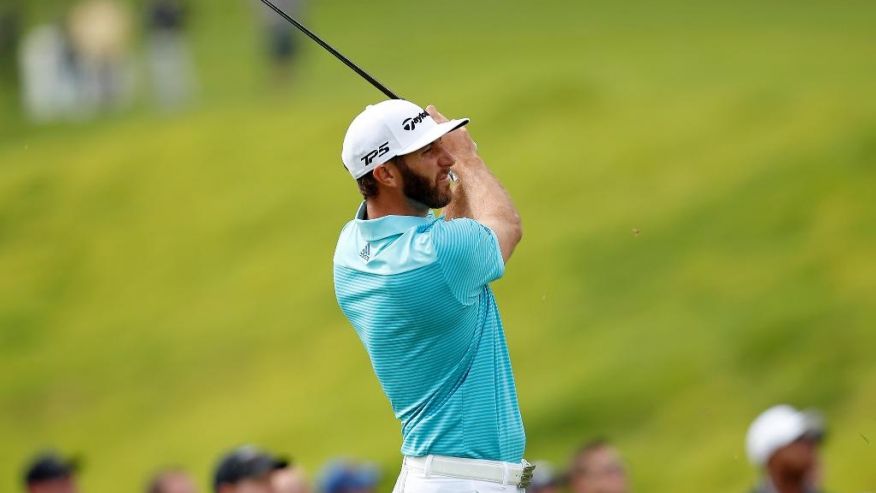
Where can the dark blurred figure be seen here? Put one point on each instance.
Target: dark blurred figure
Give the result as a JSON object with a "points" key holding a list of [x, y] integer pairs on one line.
{"points": [[597, 468], [172, 480], [290, 479], [10, 31], [247, 469], [348, 477], [170, 67], [49, 472], [783, 442], [545, 479], [281, 38]]}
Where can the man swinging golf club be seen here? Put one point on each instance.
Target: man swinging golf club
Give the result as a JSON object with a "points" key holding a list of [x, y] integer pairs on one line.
{"points": [[416, 289]]}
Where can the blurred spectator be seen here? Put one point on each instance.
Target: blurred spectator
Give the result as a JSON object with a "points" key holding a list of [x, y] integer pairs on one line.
{"points": [[10, 24], [597, 468], [246, 469], [50, 89], [168, 58], [49, 472], [290, 480], [783, 442], [545, 479], [348, 477], [10, 19], [100, 35], [280, 37], [171, 480]]}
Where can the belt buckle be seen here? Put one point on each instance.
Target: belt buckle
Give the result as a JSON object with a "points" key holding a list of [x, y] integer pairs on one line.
{"points": [[526, 475]]}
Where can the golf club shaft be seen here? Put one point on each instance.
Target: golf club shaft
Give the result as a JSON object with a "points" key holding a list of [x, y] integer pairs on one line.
{"points": [[333, 51]]}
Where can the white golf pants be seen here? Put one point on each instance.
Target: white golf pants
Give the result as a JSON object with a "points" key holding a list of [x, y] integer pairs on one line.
{"points": [[415, 480]]}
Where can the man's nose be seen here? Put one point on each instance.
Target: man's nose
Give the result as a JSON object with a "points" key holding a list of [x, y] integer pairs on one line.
{"points": [[446, 159]]}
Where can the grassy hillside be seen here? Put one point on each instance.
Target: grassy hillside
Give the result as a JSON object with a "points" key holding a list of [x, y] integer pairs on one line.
{"points": [[165, 283]]}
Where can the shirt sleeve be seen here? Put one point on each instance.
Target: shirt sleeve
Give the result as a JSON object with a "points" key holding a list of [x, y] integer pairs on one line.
{"points": [[469, 255]]}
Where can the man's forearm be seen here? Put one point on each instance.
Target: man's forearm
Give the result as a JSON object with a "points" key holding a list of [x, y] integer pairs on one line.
{"points": [[479, 195], [458, 206]]}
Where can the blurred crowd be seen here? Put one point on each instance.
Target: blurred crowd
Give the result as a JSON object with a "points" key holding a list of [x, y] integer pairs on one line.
{"points": [[782, 443], [245, 469], [96, 56]]}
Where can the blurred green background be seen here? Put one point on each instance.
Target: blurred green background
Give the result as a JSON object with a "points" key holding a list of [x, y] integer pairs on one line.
{"points": [[165, 282]]}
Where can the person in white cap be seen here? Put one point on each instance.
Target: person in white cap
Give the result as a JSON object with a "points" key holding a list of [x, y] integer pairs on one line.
{"points": [[416, 289], [783, 442]]}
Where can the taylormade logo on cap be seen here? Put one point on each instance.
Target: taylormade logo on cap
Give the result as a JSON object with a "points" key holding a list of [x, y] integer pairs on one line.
{"points": [[388, 129], [411, 123]]}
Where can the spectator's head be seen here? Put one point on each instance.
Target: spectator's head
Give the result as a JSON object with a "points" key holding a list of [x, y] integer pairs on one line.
{"points": [[171, 481], [347, 477], [597, 468], [290, 480], [49, 472], [784, 442], [545, 479], [246, 469]]}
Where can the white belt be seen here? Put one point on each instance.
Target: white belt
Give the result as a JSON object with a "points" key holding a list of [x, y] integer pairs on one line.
{"points": [[477, 469]]}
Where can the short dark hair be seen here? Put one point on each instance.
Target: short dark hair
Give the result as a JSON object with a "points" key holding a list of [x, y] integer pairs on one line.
{"points": [[368, 184], [586, 450]]}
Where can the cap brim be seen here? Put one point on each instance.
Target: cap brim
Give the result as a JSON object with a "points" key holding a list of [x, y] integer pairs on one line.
{"points": [[261, 466], [814, 425], [436, 133], [271, 464]]}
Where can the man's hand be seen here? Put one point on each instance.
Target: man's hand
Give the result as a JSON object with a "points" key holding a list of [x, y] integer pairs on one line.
{"points": [[457, 142]]}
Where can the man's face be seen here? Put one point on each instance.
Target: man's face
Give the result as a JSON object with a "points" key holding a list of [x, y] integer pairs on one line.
{"points": [[599, 471], [177, 483], [261, 484], [290, 480], [60, 485], [426, 175], [798, 457]]}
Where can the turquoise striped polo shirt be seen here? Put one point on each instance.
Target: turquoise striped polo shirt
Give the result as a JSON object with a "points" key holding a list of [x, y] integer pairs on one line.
{"points": [[416, 289]]}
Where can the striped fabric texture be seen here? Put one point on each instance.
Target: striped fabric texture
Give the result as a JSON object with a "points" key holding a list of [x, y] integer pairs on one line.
{"points": [[416, 291]]}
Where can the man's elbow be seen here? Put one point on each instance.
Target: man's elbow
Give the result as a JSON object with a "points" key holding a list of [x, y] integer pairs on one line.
{"points": [[516, 229], [512, 234]]}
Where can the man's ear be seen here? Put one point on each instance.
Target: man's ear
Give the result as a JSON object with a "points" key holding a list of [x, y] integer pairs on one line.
{"points": [[387, 174]]}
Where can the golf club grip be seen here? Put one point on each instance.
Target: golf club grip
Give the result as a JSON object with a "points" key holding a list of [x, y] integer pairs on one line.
{"points": [[333, 51]]}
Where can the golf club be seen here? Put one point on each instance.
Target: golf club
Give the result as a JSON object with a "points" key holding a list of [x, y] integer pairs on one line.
{"points": [[365, 75]]}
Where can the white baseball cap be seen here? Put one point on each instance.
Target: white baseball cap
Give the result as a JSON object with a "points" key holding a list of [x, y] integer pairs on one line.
{"points": [[777, 427], [388, 129]]}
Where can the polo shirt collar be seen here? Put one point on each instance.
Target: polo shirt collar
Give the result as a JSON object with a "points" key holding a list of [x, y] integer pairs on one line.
{"points": [[386, 226]]}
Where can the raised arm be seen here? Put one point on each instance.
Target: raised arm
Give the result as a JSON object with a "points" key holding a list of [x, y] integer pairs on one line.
{"points": [[478, 194]]}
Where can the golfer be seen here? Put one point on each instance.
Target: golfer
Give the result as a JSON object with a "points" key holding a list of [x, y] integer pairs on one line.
{"points": [[416, 289]]}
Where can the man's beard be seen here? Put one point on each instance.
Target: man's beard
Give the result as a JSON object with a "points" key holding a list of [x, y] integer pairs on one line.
{"points": [[419, 189]]}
